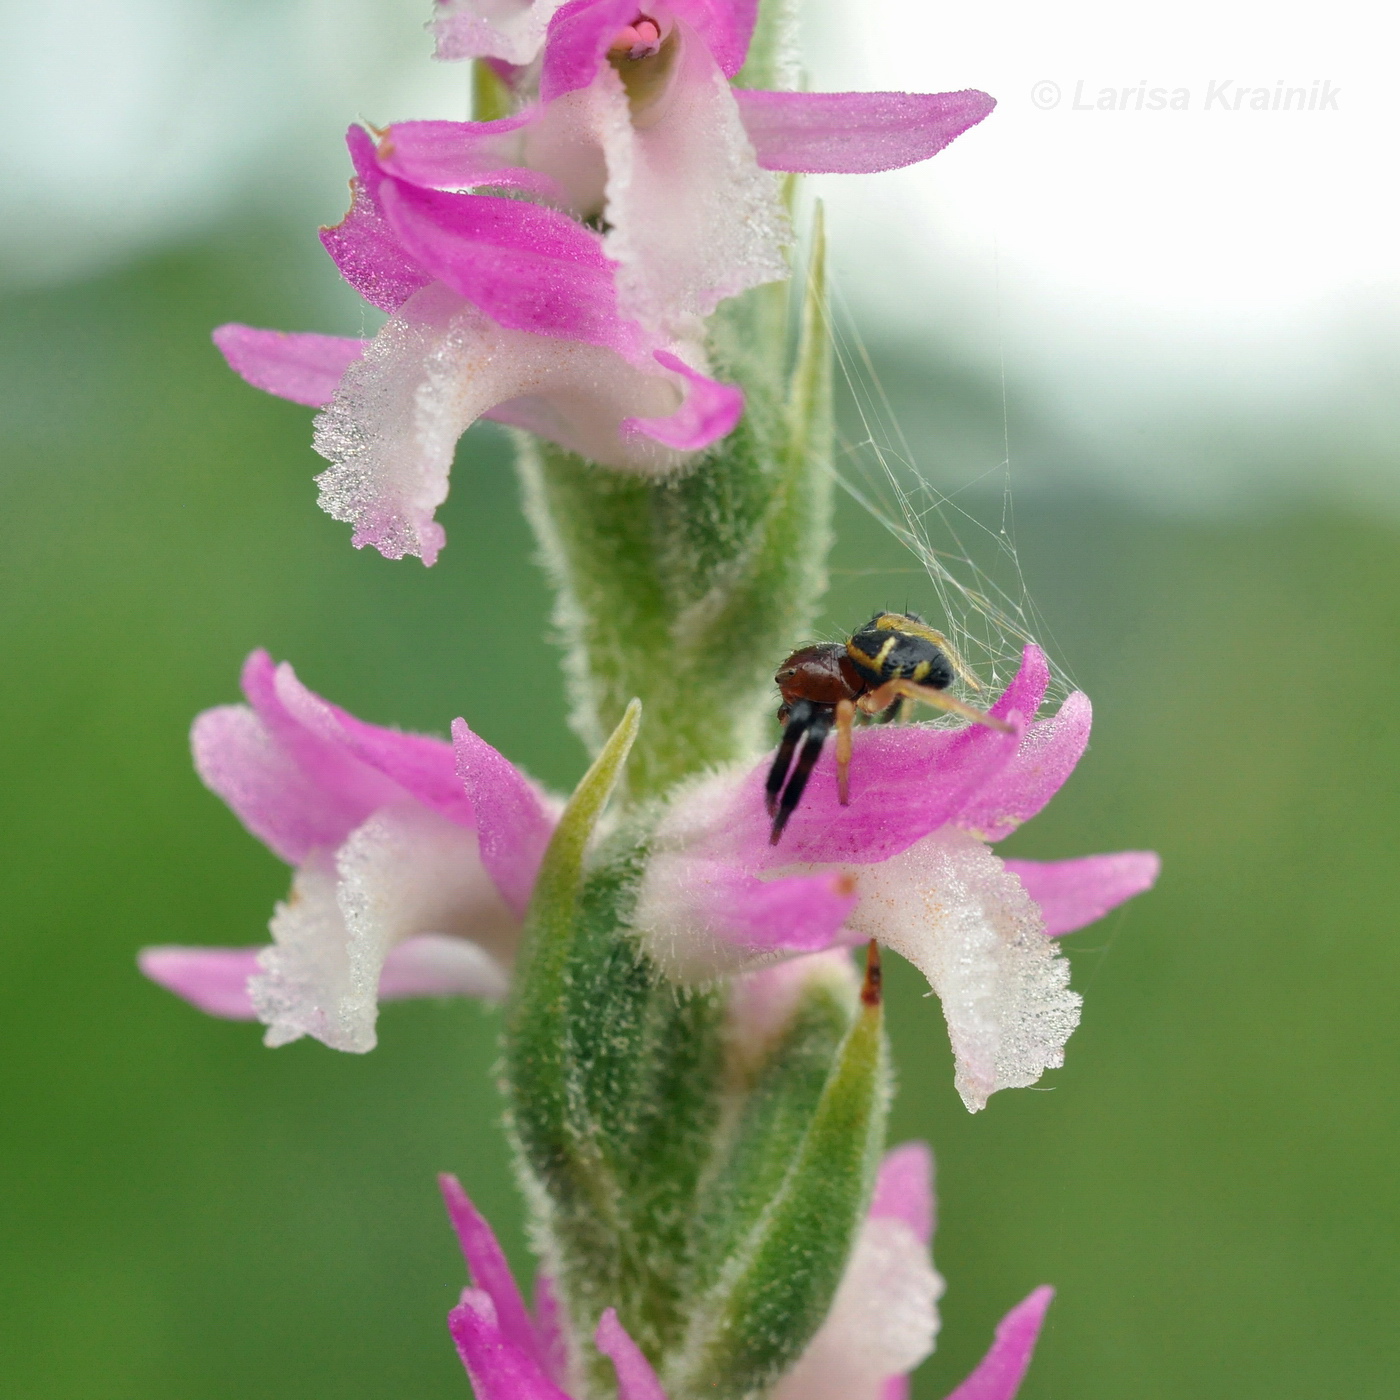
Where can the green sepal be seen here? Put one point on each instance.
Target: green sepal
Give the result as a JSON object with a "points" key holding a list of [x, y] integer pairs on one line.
{"points": [[614, 1081], [776, 1101], [776, 1287], [491, 98], [772, 60]]}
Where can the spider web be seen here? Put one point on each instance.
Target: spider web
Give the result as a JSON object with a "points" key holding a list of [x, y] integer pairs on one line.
{"points": [[964, 540]]}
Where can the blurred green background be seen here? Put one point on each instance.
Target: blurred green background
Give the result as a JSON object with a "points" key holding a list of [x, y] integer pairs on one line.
{"points": [[1209, 1183]]}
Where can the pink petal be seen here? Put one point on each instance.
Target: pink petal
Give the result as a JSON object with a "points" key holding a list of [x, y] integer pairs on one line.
{"points": [[882, 1322], [302, 774], [580, 33], [527, 267], [1045, 759], [293, 792], [213, 979], [635, 1378], [1028, 686], [577, 43], [498, 1368], [725, 25], [999, 1374], [549, 1323], [795, 913], [403, 875], [514, 822], [442, 155], [362, 245], [855, 132], [302, 367], [896, 1388], [904, 1188], [700, 918], [760, 1002], [423, 767], [440, 965], [709, 411], [1073, 893], [905, 783], [489, 1270]]}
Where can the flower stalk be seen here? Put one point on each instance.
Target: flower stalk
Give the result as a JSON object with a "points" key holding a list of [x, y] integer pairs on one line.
{"points": [[696, 1082], [683, 591]]}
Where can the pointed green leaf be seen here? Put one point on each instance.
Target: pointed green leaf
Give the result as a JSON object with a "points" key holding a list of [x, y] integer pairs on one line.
{"points": [[776, 1288], [783, 1094]]}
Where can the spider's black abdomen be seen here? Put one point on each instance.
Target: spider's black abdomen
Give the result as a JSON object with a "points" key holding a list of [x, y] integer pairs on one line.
{"points": [[883, 651]]}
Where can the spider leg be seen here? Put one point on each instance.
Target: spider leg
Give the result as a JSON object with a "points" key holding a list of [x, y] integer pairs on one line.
{"points": [[845, 718], [892, 712], [817, 730], [799, 718], [887, 694]]}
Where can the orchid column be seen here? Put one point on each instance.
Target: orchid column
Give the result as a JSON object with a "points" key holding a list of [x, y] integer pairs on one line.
{"points": [[696, 1077]]}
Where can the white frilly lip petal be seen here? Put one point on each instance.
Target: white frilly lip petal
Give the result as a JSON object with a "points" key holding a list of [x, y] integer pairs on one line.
{"points": [[693, 219], [405, 872], [883, 1320], [437, 366], [949, 906]]}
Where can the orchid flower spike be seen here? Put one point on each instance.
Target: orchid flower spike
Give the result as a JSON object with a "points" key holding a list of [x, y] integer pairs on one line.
{"points": [[908, 862], [414, 864], [635, 123], [881, 1325]]}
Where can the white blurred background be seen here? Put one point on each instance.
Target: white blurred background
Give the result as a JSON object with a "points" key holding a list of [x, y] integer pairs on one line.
{"points": [[1198, 308]]}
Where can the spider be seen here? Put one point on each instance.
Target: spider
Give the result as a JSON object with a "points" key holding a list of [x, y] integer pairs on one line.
{"points": [[894, 657]]}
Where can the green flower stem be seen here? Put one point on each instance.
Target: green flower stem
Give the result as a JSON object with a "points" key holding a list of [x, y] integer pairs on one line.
{"points": [[687, 591]]}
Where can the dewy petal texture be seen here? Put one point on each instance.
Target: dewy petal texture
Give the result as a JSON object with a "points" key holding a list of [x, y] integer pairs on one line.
{"points": [[950, 907], [855, 132], [693, 218], [405, 871], [438, 365]]}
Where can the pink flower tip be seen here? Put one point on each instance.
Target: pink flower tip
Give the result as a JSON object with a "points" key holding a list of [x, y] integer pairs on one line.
{"points": [[213, 979]]}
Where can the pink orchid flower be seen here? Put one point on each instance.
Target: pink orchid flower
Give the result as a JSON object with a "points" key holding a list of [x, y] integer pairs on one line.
{"points": [[414, 863], [636, 124], [908, 862], [882, 1322], [500, 308]]}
